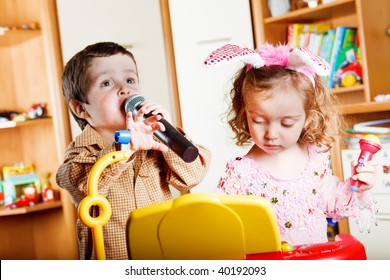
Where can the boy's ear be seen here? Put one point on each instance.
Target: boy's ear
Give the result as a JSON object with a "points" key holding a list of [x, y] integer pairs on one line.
{"points": [[78, 109]]}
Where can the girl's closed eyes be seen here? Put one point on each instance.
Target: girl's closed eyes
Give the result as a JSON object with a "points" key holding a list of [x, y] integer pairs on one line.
{"points": [[285, 122]]}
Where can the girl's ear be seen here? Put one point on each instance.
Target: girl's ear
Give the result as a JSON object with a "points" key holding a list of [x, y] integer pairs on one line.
{"points": [[78, 109]]}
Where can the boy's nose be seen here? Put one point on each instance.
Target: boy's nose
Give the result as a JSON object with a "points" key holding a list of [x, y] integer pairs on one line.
{"points": [[124, 91]]}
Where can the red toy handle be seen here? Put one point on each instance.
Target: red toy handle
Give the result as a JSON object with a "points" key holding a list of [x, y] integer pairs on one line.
{"points": [[369, 145]]}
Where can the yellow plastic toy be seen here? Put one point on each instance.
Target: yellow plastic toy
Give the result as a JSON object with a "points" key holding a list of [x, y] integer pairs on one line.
{"points": [[192, 226], [9, 171], [94, 198], [203, 226]]}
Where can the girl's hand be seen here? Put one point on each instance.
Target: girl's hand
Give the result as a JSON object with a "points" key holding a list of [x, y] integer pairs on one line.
{"points": [[366, 174], [141, 132]]}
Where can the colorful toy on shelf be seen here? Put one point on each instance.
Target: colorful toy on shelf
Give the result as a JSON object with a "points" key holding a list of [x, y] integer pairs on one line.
{"points": [[37, 110], [49, 194], [18, 181], [18, 169], [369, 145], [1, 193], [350, 71], [8, 114], [28, 198], [22, 117]]}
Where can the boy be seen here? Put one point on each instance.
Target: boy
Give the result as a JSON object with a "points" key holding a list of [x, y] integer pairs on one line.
{"points": [[96, 83]]}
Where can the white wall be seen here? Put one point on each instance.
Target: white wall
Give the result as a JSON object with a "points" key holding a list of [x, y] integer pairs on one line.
{"points": [[199, 27]]}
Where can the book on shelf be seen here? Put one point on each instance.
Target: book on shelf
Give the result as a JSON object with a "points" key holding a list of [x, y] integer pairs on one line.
{"points": [[380, 128], [345, 62], [304, 34], [327, 44], [350, 37], [315, 42], [337, 45], [377, 126]]}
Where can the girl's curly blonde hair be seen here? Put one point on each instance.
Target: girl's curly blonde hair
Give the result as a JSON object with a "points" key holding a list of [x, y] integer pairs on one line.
{"points": [[321, 106]]}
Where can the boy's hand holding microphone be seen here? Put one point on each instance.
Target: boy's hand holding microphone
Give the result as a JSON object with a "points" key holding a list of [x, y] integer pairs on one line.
{"points": [[146, 118]]}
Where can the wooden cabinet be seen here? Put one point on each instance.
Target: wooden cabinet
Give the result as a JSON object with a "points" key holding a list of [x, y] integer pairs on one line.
{"points": [[30, 72], [193, 30], [373, 22]]}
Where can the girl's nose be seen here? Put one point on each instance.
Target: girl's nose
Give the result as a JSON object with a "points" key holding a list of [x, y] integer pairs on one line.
{"points": [[271, 133]]}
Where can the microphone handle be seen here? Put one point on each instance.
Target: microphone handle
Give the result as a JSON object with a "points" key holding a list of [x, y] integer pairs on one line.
{"points": [[176, 141]]}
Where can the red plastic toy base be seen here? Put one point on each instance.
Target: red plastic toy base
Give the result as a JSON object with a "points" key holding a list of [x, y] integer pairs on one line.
{"points": [[345, 247]]}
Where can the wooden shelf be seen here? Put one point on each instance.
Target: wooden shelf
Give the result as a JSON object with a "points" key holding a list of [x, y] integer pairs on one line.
{"points": [[4, 211], [348, 89], [321, 12], [41, 121], [11, 38], [365, 107]]}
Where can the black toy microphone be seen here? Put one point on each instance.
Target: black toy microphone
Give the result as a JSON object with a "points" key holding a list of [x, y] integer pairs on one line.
{"points": [[171, 137]]}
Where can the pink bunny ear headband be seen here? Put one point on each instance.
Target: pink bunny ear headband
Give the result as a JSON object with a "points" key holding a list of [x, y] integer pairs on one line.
{"points": [[298, 59]]}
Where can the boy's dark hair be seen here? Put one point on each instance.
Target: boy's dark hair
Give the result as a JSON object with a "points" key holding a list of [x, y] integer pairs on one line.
{"points": [[74, 77]]}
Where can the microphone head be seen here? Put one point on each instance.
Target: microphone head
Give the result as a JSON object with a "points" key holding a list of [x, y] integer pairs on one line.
{"points": [[133, 102]]}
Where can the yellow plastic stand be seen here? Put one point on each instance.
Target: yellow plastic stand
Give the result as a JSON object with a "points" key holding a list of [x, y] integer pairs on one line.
{"points": [[94, 198]]}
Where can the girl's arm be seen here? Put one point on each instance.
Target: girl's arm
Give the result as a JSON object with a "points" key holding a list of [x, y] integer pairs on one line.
{"points": [[339, 201]]}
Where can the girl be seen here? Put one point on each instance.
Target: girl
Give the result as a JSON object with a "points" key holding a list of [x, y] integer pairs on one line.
{"points": [[280, 104]]}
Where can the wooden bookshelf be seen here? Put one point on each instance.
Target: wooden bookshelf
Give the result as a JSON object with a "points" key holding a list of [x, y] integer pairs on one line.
{"points": [[12, 124], [367, 107], [31, 69], [4, 211], [15, 37], [320, 13], [371, 21]]}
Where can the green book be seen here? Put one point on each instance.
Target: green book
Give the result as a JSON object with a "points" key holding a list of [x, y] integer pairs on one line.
{"points": [[350, 37]]}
